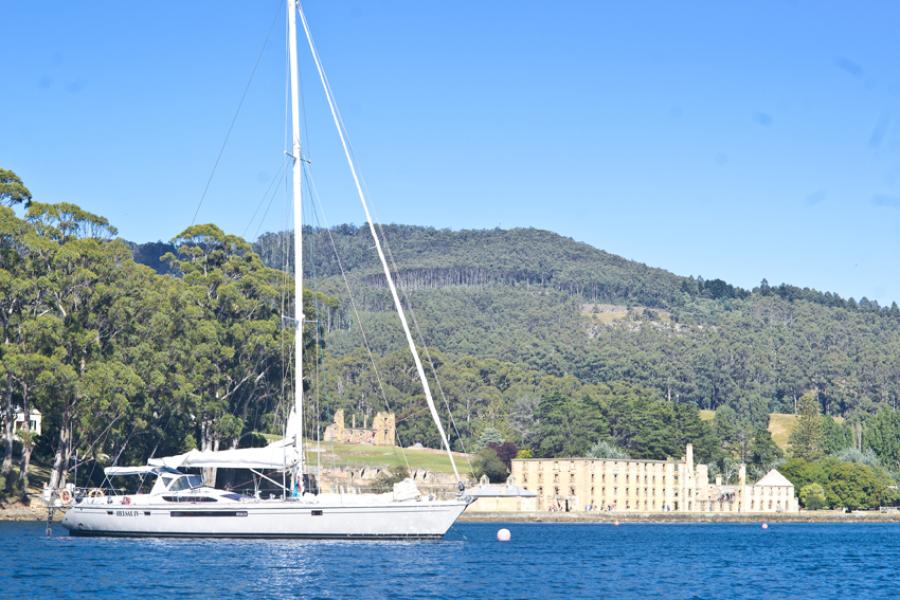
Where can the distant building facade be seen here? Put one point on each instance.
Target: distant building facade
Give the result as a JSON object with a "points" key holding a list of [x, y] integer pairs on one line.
{"points": [[579, 484], [382, 432]]}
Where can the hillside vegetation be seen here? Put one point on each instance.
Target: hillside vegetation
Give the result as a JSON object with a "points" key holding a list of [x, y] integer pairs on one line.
{"points": [[535, 345], [539, 300]]}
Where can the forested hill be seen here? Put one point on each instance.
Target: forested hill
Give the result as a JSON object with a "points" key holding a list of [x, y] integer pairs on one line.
{"points": [[516, 316], [557, 306], [427, 257]]}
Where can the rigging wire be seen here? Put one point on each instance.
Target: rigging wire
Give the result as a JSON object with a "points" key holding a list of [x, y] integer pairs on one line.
{"points": [[319, 215], [421, 336], [342, 134], [272, 189], [234, 118]]}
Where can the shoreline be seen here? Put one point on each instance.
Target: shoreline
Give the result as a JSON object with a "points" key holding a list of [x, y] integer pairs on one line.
{"points": [[36, 513], [824, 516], [18, 512]]}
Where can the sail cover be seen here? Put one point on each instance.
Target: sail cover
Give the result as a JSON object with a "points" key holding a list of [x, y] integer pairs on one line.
{"points": [[278, 455]]}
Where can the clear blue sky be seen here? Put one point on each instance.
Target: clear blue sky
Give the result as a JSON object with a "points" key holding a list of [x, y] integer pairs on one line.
{"points": [[732, 140]]}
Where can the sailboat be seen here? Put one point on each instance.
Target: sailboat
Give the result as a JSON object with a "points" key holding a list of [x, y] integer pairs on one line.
{"points": [[180, 504]]}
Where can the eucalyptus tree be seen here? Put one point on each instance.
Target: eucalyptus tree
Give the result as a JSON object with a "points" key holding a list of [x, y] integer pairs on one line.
{"points": [[12, 190], [232, 342], [15, 293], [79, 271]]}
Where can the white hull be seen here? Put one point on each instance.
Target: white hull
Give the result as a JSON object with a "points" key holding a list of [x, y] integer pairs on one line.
{"points": [[362, 517]]}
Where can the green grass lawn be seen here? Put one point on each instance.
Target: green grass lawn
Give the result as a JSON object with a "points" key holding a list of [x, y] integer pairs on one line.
{"points": [[781, 425], [363, 455]]}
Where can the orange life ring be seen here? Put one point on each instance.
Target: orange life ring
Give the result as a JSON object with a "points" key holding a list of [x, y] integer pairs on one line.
{"points": [[126, 500], [65, 496]]}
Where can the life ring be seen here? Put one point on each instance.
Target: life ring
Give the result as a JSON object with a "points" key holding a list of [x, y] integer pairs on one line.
{"points": [[65, 496], [95, 493], [126, 500]]}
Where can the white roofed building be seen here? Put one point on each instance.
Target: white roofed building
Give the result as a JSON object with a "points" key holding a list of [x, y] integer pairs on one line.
{"points": [[501, 497], [772, 493]]}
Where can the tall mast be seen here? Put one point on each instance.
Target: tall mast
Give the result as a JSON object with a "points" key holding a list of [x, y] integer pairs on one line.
{"points": [[298, 236]]}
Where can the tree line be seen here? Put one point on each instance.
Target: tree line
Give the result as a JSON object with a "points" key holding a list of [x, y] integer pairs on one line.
{"points": [[125, 363]]}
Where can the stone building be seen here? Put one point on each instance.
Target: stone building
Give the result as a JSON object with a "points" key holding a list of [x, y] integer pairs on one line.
{"points": [[382, 432], [773, 493], [579, 484], [614, 484]]}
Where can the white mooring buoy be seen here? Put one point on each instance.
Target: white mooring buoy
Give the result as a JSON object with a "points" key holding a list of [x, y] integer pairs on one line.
{"points": [[503, 535]]}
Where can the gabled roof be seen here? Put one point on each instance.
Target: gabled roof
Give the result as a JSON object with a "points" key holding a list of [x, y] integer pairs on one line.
{"points": [[774, 479]]}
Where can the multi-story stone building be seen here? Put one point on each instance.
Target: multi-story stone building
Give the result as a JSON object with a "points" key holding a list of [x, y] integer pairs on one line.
{"points": [[646, 486]]}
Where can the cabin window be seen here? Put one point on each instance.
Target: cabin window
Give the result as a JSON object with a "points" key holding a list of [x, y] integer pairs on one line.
{"points": [[186, 482]]}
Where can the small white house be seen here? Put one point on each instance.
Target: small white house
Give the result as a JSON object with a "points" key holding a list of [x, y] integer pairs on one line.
{"points": [[34, 420]]}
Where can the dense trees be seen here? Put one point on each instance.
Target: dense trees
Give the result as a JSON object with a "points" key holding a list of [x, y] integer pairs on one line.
{"points": [[124, 363], [539, 344], [844, 484], [882, 436]]}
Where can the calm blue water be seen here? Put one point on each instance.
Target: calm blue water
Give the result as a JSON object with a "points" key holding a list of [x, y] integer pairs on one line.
{"points": [[542, 561]]}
